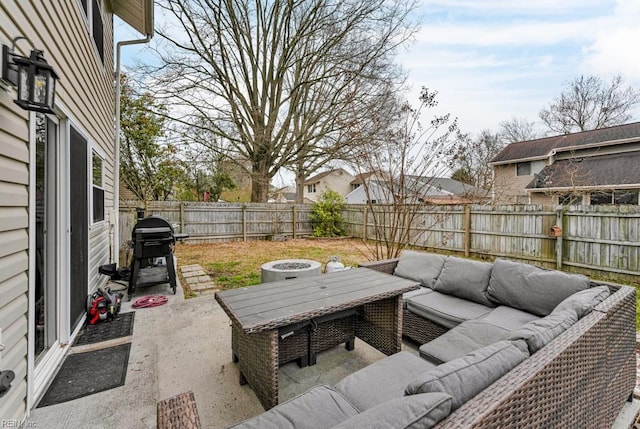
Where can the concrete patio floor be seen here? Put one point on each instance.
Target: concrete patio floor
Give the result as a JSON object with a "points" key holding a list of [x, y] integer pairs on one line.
{"points": [[186, 346]]}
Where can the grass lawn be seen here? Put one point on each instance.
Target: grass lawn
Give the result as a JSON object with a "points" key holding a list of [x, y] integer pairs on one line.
{"points": [[237, 264]]}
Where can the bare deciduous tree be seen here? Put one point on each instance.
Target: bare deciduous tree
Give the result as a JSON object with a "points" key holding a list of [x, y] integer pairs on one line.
{"points": [[517, 130], [473, 156], [590, 103], [276, 76], [399, 165]]}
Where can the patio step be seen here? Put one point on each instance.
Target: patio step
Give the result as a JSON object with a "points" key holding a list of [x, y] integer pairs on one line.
{"points": [[197, 279], [178, 412]]}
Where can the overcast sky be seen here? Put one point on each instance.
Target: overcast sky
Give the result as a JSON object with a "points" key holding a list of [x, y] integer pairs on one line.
{"points": [[491, 60]]}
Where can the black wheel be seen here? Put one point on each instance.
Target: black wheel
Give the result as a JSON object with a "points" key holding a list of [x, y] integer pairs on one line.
{"points": [[173, 288], [128, 297]]}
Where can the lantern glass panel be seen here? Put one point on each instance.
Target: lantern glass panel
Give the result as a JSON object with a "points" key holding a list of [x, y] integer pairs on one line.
{"points": [[51, 89], [23, 83], [40, 89]]}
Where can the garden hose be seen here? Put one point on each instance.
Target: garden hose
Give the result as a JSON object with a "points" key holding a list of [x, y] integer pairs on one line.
{"points": [[150, 301]]}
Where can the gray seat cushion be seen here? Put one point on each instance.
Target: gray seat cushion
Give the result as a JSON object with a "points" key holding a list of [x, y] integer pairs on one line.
{"points": [[416, 412], [383, 380], [466, 279], [422, 291], [465, 377], [530, 288], [446, 310], [539, 333], [420, 266], [317, 408], [508, 318], [584, 301], [464, 338]]}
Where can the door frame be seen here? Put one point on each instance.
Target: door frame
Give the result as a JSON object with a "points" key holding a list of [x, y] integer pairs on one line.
{"points": [[39, 376]]}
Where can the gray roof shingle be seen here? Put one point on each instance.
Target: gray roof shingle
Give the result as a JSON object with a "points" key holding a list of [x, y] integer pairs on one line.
{"points": [[540, 148]]}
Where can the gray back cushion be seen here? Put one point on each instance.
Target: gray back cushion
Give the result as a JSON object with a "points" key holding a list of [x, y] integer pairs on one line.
{"points": [[420, 266], [318, 408], [465, 377], [466, 279], [584, 301], [416, 412], [530, 288], [539, 333]]}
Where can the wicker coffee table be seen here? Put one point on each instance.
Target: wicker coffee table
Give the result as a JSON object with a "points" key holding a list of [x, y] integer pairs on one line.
{"points": [[304, 316]]}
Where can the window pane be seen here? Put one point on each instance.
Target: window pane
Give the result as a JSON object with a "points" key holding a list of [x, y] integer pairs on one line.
{"points": [[98, 204], [626, 197], [569, 199], [600, 198], [84, 6], [96, 169], [97, 29], [523, 169]]}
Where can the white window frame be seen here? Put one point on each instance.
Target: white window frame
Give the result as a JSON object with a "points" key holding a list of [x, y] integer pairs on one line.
{"points": [[88, 18], [95, 150], [311, 189]]}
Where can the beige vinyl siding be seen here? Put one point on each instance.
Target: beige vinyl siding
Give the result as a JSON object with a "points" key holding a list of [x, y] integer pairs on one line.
{"points": [[14, 261], [98, 253]]}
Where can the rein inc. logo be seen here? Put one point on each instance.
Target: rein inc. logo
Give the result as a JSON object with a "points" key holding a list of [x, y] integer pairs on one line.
{"points": [[16, 423]]}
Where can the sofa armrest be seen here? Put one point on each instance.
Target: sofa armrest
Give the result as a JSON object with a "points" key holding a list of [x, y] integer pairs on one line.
{"points": [[385, 266]]}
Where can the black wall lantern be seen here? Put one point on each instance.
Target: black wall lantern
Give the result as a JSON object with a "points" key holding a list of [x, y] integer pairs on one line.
{"points": [[36, 80]]}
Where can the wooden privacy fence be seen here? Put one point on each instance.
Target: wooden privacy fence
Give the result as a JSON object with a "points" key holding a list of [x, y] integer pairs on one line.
{"points": [[603, 241], [211, 222]]}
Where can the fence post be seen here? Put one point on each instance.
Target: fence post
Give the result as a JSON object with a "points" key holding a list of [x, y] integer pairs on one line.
{"points": [[182, 217], [559, 239], [293, 221], [364, 224], [467, 230], [244, 222]]}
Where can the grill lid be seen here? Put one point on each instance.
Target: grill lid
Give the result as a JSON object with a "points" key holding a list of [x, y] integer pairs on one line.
{"points": [[153, 225]]}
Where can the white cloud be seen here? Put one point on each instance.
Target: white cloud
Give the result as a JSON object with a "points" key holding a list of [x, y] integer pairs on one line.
{"points": [[614, 49]]}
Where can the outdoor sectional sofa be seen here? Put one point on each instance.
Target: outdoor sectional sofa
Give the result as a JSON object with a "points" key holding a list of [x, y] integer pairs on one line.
{"points": [[501, 345]]}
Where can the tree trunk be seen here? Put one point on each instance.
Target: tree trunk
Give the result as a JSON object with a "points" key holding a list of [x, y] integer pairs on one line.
{"points": [[299, 190], [259, 184]]}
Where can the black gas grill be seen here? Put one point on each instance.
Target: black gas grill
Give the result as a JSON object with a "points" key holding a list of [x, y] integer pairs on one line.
{"points": [[153, 239]]}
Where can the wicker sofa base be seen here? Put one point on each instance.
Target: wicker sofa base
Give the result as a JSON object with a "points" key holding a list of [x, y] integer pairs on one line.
{"points": [[418, 329]]}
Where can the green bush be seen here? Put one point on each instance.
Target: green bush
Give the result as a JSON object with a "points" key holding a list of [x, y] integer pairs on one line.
{"points": [[326, 216]]}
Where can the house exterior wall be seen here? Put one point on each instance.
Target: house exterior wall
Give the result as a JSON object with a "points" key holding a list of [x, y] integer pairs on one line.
{"points": [[509, 188], [85, 101], [338, 181]]}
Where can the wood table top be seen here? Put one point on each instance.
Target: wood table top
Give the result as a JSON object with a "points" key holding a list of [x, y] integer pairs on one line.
{"points": [[281, 303]]}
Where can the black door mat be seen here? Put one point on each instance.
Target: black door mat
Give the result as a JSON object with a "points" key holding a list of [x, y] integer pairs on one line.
{"points": [[87, 373], [120, 326]]}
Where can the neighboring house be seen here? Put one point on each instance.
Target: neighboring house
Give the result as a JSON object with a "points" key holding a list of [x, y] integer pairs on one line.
{"points": [[337, 180], [57, 208], [285, 194], [590, 168], [428, 190]]}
